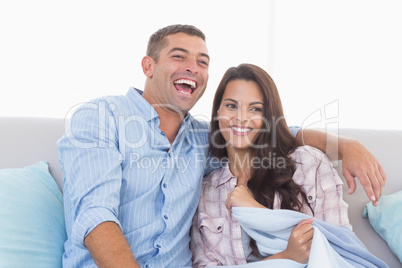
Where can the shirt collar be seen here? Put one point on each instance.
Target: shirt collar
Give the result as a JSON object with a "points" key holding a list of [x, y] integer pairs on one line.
{"points": [[149, 113], [223, 176], [146, 109]]}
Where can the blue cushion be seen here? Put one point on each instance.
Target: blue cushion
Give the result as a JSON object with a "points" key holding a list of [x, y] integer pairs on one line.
{"points": [[386, 220], [32, 228]]}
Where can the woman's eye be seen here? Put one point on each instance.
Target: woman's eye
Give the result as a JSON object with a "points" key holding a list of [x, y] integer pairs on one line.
{"points": [[256, 109], [231, 106]]}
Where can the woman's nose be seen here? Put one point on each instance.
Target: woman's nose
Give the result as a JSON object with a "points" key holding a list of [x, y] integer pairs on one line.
{"points": [[242, 115]]}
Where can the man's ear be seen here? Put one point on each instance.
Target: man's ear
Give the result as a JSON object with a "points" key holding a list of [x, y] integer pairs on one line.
{"points": [[148, 64]]}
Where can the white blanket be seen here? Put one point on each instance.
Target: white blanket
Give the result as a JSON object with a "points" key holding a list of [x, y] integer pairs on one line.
{"points": [[332, 246]]}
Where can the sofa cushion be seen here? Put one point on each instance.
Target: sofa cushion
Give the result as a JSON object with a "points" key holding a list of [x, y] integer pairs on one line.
{"points": [[386, 220], [32, 228]]}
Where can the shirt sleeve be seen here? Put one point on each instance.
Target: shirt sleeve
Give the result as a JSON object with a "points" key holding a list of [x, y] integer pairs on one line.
{"points": [[330, 206], [322, 185], [294, 130], [91, 165]]}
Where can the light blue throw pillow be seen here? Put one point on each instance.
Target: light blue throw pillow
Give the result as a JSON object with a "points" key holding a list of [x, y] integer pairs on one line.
{"points": [[32, 228], [386, 220]]}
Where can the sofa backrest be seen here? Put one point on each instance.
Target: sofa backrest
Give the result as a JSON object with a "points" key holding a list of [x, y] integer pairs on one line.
{"points": [[25, 141], [386, 146]]}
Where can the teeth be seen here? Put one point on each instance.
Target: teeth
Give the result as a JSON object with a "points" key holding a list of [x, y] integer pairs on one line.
{"points": [[188, 93], [185, 81], [242, 130]]}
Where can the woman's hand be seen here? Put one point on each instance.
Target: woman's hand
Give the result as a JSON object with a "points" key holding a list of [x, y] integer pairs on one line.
{"points": [[300, 240], [299, 243], [241, 196]]}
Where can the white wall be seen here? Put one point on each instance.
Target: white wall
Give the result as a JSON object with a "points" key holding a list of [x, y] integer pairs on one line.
{"points": [[345, 55], [55, 55]]}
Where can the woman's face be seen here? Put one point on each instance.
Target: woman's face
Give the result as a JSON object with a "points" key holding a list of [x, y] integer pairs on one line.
{"points": [[240, 114]]}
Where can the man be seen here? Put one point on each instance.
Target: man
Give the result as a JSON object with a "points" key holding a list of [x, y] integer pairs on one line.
{"points": [[133, 165]]}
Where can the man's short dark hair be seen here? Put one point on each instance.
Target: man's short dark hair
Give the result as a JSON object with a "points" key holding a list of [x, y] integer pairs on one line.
{"points": [[157, 40]]}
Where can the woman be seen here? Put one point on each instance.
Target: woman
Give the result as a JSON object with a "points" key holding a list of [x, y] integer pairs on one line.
{"points": [[264, 168]]}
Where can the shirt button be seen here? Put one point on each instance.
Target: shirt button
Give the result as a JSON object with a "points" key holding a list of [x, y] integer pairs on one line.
{"points": [[310, 197], [166, 217], [164, 185], [158, 246], [219, 228]]}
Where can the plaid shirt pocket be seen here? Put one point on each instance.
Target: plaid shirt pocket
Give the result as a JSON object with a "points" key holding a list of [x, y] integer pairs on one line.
{"points": [[212, 230]]}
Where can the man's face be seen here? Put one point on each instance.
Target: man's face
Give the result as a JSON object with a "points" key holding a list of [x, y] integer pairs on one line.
{"points": [[180, 75]]}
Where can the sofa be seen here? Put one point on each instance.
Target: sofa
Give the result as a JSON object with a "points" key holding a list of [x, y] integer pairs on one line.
{"points": [[25, 141]]}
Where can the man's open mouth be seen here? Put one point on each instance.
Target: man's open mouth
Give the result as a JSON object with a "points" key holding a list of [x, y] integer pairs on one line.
{"points": [[185, 86]]}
